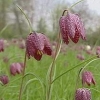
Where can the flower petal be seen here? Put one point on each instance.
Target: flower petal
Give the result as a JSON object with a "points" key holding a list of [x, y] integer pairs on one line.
{"points": [[34, 43], [70, 25], [76, 37], [63, 29], [80, 26]]}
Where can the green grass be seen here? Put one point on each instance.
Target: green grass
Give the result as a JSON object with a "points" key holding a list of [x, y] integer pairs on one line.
{"points": [[64, 87]]}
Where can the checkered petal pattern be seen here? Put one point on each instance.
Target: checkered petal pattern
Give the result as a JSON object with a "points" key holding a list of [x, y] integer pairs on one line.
{"points": [[87, 77], [71, 26], [37, 44], [4, 79], [83, 94]]}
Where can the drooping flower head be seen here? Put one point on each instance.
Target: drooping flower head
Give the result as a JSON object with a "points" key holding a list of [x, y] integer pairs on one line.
{"points": [[4, 79], [37, 44], [83, 94], [71, 27], [98, 51], [87, 77], [22, 45], [80, 57], [16, 68], [1, 45]]}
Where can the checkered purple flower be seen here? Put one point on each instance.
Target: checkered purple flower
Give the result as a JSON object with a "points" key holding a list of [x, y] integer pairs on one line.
{"points": [[80, 57], [87, 77], [4, 79], [98, 51], [71, 27], [83, 94], [1, 45], [37, 44], [16, 68]]}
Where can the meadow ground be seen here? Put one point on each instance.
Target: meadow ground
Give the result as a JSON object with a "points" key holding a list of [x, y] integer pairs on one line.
{"points": [[63, 88]]}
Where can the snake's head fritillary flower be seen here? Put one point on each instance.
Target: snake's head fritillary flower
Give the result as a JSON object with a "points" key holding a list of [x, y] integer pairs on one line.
{"points": [[87, 77], [90, 52], [1, 45], [22, 45], [16, 68], [4, 79], [98, 48], [71, 27], [98, 53], [83, 94], [37, 44], [80, 57]]}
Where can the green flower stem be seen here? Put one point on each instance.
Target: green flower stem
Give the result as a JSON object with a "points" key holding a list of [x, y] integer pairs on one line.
{"points": [[95, 44], [23, 73], [75, 4], [71, 69], [58, 47], [4, 29], [64, 12], [71, 7], [35, 77], [30, 25], [88, 64], [38, 79], [95, 90]]}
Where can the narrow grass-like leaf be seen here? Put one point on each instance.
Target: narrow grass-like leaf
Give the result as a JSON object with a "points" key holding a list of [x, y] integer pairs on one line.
{"points": [[72, 69], [41, 82], [28, 82], [95, 90], [4, 29], [30, 26]]}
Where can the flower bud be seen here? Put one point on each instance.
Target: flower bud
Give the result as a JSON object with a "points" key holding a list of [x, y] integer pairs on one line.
{"points": [[4, 79]]}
